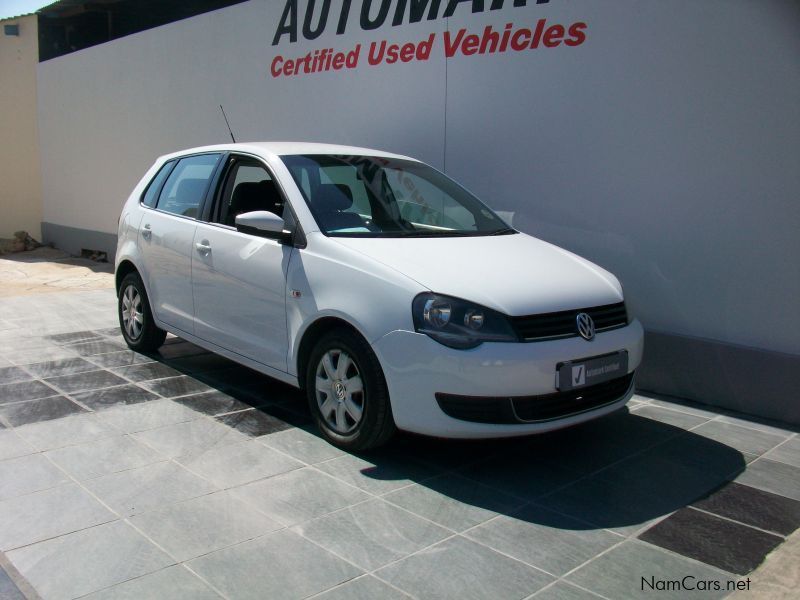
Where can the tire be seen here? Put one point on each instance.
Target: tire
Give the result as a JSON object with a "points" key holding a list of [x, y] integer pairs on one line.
{"points": [[344, 379], [139, 330]]}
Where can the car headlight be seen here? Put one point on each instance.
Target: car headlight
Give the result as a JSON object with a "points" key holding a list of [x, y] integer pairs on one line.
{"points": [[458, 323]]}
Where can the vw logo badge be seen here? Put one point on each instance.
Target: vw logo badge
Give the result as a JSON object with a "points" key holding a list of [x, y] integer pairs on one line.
{"points": [[585, 326]]}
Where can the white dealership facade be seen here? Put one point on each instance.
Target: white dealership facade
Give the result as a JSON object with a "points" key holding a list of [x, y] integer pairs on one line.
{"points": [[660, 140]]}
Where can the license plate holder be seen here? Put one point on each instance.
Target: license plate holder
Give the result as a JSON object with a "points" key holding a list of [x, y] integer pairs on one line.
{"points": [[584, 372]]}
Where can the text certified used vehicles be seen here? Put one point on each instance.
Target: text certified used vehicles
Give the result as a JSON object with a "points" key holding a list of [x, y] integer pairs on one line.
{"points": [[391, 295]]}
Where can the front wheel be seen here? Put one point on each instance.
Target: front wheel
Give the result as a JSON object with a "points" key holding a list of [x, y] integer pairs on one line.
{"points": [[136, 318], [347, 392]]}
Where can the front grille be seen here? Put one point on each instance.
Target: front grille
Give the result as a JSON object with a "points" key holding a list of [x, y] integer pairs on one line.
{"points": [[562, 324], [532, 409]]}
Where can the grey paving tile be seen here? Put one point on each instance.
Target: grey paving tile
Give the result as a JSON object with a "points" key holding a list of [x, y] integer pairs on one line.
{"points": [[213, 403], [454, 501], [109, 332], [624, 572], [778, 478], [123, 358], [64, 366], [65, 431], [299, 495], [743, 439], [81, 382], [270, 567], [176, 386], [121, 395], [37, 355], [26, 474], [302, 445], [147, 415], [236, 464], [35, 411], [472, 571], [179, 348], [366, 587], [712, 540], [254, 422], [201, 525], [148, 488], [13, 374], [544, 539], [564, 591], [24, 390], [12, 446], [88, 560], [49, 513], [788, 452], [672, 417], [372, 534], [147, 371], [74, 337], [774, 428], [176, 580], [376, 474], [101, 346], [8, 589], [199, 363], [190, 438], [104, 456]]}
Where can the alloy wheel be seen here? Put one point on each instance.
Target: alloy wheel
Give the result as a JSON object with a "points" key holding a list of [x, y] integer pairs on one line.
{"points": [[339, 391]]}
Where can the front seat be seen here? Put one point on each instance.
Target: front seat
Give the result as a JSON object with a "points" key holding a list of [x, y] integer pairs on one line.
{"points": [[250, 196], [331, 201]]}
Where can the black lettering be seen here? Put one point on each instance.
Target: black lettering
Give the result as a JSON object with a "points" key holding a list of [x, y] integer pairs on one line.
{"points": [[343, 17], [312, 34], [477, 6], [651, 584], [366, 22], [498, 4], [688, 583], [288, 23], [416, 11]]}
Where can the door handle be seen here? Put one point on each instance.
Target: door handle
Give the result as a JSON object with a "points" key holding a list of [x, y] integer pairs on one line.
{"points": [[203, 247], [146, 233]]}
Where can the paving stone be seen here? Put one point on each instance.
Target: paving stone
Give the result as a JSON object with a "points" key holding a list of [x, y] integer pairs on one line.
{"points": [[376, 475], [545, 539], [37, 355], [778, 478], [180, 583], [719, 542], [121, 395], [64, 366], [81, 382], [277, 565], [65, 431], [88, 560], [95, 347], [743, 439], [147, 415], [147, 371], [148, 488], [564, 591], [179, 348], [236, 464], [788, 452], [104, 456], [26, 474], [49, 513], [13, 374], [672, 417], [190, 438], [299, 495], [74, 337], [624, 572], [302, 445], [12, 446], [35, 411], [254, 422], [366, 587], [123, 358], [202, 525], [176, 386], [213, 403], [472, 571], [24, 390]]}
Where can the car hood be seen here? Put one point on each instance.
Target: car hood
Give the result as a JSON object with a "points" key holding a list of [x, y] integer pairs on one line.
{"points": [[516, 274]]}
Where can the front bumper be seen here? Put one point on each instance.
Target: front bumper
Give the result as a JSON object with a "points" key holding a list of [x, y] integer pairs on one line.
{"points": [[417, 368]]}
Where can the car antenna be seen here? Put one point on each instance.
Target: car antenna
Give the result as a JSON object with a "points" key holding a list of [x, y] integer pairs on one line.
{"points": [[226, 123]]}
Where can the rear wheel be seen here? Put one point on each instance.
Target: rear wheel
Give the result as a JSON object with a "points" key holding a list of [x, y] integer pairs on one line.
{"points": [[347, 392], [136, 318]]}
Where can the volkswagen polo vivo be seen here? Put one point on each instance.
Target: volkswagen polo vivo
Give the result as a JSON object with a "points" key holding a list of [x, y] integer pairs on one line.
{"points": [[387, 292]]}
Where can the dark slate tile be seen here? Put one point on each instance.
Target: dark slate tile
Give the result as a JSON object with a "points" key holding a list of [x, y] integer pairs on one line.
{"points": [[74, 337], [147, 372], [754, 507], [64, 366], [13, 374], [771, 476], [81, 382], [179, 348], [198, 363], [114, 396], [122, 358], [712, 540], [34, 411], [25, 390], [110, 332], [788, 452], [234, 377], [254, 422], [176, 386], [101, 346], [295, 414], [213, 403]]}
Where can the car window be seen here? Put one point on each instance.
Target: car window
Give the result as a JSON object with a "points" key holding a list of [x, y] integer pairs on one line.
{"points": [[151, 193], [248, 187], [186, 186]]}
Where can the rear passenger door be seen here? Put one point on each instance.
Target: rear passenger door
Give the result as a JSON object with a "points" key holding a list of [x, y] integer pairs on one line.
{"points": [[239, 279], [166, 236]]}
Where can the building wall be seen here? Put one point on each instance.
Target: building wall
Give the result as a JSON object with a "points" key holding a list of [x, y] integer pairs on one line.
{"points": [[664, 147], [20, 190]]}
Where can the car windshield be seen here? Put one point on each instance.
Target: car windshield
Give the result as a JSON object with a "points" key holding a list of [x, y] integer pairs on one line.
{"points": [[370, 196]]}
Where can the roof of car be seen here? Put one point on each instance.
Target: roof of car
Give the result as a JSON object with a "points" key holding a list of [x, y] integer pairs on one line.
{"points": [[287, 148]]}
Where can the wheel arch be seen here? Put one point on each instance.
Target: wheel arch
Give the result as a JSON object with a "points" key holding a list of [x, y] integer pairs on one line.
{"points": [[124, 269], [311, 335]]}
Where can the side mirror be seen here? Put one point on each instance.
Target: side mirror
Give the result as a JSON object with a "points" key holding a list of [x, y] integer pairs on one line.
{"points": [[263, 223]]}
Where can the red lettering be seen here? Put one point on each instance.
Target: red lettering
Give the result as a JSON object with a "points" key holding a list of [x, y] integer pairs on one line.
{"points": [[537, 35], [518, 43], [451, 45], [553, 36], [275, 67], [470, 45], [407, 52], [577, 35]]}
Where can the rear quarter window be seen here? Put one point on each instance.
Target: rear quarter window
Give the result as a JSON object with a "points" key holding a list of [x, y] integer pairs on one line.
{"points": [[150, 194]]}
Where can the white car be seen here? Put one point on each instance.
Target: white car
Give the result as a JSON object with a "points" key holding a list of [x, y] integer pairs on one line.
{"points": [[389, 293]]}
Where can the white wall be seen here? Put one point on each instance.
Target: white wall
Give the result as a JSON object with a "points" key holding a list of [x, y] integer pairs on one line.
{"points": [[666, 147]]}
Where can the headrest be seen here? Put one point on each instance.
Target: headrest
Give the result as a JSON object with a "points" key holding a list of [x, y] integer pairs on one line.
{"points": [[333, 196]]}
